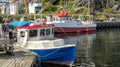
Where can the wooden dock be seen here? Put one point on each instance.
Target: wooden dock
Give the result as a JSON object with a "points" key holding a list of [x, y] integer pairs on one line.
{"points": [[20, 58]]}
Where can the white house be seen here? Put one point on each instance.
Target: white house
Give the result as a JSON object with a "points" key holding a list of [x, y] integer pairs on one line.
{"points": [[14, 6], [34, 7], [4, 7], [10, 7]]}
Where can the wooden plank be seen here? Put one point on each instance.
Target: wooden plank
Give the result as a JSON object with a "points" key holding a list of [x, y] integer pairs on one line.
{"points": [[21, 58]]}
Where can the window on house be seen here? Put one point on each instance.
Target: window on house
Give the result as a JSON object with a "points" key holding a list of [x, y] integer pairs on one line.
{"points": [[12, 8], [32, 33]]}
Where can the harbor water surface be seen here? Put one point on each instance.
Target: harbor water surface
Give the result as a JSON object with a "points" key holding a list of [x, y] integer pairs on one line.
{"points": [[96, 49]]}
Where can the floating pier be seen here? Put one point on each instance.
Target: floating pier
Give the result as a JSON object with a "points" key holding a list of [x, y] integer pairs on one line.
{"points": [[20, 58], [102, 25]]}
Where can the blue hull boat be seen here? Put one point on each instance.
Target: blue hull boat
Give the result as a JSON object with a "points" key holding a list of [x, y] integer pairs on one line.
{"points": [[40, 39], [63, 55]]}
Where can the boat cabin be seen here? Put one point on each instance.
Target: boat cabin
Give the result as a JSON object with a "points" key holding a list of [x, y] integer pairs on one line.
{"points": [[35, 33], [63, 16], [85, 19]]}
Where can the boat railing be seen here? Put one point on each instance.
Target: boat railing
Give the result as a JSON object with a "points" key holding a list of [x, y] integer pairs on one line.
{"points": [[86, 19]]}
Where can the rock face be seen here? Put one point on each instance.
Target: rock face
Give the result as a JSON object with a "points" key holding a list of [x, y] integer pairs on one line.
{"points": [[116, 6]]}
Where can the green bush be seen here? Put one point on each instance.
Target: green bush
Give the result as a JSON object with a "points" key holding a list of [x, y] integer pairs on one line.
{"points": [[108, 10]]}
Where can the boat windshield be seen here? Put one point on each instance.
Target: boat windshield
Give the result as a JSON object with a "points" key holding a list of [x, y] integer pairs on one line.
{"points": [[42, 32], [33, 33]]}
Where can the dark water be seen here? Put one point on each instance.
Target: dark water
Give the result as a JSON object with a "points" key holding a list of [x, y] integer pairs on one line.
{"points": [[98, 49]]}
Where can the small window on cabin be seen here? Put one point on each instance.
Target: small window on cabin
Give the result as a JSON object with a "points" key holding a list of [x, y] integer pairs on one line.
{"points": [[60, 19], [54, 19], [52, 30], [47, 31], [32, 33], [66, 18], [22, 34], [70, 18], [42, 32]]}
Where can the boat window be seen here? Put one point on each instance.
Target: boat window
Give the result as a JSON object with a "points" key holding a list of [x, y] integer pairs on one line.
{"points": [[60, 18], [70, 18], [52, 30], [54, 18], [66, 18], [47, 31], [57, 19], [42, 32], [22, 34], [32, 33]]}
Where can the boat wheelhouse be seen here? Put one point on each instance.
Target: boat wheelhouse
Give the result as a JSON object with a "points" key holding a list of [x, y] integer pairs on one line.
{"points": [[65, 23], [40, 39]]}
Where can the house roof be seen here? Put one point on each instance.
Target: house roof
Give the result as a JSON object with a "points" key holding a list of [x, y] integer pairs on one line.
{"points": [[13, 1], [3, 3]]}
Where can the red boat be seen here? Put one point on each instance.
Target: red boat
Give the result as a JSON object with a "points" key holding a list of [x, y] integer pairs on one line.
{"points": [[65, 23]]}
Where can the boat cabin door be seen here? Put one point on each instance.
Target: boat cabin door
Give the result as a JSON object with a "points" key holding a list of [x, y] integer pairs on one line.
{"points": [[22, 37]]}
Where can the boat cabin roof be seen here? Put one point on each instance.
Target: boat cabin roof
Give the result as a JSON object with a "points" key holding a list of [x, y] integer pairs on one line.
{"points": [[36, 26]]}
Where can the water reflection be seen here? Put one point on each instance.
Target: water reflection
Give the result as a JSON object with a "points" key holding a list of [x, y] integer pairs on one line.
{"points": [[98, 49], [106, 48], [84, 43]]}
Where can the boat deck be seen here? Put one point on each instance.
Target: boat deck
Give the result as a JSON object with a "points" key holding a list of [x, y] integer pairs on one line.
{"points": [[20, 58]]}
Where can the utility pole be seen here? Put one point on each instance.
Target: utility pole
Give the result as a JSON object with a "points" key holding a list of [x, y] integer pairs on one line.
{"points": [[88, 7], [34, 11], [107, 4], [65, 5]]}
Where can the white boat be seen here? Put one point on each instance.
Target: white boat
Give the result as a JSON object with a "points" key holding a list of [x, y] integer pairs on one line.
{"points": [[40, 39], [65, 23]]}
